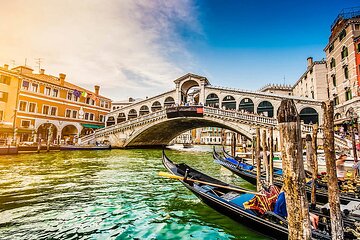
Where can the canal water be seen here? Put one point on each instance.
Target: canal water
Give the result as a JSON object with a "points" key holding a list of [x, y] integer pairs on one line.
{"points": [[113, 194]]}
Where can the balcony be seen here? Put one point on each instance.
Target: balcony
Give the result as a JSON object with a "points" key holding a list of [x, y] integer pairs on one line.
{"points": [[344, 61], [332, 71]]}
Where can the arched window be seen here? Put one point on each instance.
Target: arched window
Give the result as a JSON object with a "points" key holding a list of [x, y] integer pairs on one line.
{"points": [[332, 63], [110, 121], [121, 118], [266, 108], [309, 115], [156, 106], [212, 100], [348, 94], [337, 116], [333, 77], [132, 114], [144, 110], [229, 102], [169, 101], [246, 105], [346, 72], [344, 52]]}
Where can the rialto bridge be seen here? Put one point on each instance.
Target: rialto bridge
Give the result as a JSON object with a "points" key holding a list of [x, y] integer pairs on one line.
{"points": [[196, 103]]}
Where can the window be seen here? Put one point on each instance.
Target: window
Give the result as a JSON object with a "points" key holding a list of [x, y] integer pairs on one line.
{"points": [[22, 106], [342, 34], [331, 47], [358, 47], [332, 63], [101, 103], [346, 72], [344, 52], [55, 93], [76, 98], [357, 27], [333, 80], [5, 79], [336, 100], [69, 96], [86, 116], [32, 107], [348, 95], [68, 113], [312, 95], [87, 100], [45, 109], [25, 123], [34, 87], [74, 114], [53, 111], [101, 118], [47, 91], [91, 116], [3, 96], [1, 115], [25, 85], [107, 105]]}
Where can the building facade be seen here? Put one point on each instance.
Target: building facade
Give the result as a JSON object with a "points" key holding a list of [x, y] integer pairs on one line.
{"points": [[343, 74], [313, 83], [50, 109], [283, 89]]}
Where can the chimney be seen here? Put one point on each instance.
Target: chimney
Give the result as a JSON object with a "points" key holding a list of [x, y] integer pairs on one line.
{"points": [[309, 61], [6, 67], [42, 71], [62, 78], [97, 88]]}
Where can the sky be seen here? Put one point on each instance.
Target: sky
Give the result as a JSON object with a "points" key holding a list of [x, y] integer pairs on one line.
{"points": [[137, 48]]}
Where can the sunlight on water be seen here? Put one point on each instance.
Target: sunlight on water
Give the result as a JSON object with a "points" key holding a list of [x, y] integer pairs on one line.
{"points": [[108, 195]]}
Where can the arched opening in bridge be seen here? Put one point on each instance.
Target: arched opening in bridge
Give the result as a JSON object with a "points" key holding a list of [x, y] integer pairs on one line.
{"points": [[309, 115], [69, 134], [47, 131], [110, 121], [169, 101], [192, 95], [132, 114], [121, 118], [156, 106], [229, 103], [190, 92], [246, 105], [212, 100], [266, 108], [144, 110]]}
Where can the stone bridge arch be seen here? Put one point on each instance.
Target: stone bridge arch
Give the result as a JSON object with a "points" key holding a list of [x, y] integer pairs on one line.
{"points": [[162, 132]]}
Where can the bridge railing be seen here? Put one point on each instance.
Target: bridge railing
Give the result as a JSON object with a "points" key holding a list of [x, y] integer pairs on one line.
{"points": [[241, 116], [140, 119]]}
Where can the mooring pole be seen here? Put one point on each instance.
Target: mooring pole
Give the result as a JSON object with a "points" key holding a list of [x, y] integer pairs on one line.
{"points": [[337, 231], [265, 158], [315, 168], [309, 152], [253, 151], [271, 162], [293, 171], [258, 160]]}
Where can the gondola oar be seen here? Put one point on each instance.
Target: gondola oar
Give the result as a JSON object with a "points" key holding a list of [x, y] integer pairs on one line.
{"points": [[169, 175]]}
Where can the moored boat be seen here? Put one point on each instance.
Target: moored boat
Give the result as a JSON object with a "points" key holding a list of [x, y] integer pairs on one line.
{"points": [[84, 147], [217, 195], [248, 173]]}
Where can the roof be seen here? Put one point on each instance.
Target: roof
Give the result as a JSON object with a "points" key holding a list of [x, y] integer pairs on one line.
{"points": [[191, 75], [54, 80]]}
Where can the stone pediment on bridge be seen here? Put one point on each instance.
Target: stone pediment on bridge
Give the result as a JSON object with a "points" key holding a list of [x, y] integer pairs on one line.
{"points": [[191, 76]]}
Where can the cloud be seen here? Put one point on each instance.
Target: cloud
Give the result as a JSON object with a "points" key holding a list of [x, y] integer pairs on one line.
{"points": [[129, 47]]}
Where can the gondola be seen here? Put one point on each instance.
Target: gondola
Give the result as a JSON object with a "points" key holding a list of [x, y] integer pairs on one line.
{"points": [[248, 173], [230, 203]]}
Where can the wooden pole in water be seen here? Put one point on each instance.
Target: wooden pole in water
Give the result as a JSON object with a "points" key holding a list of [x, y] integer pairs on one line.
{"points": [[258, 161], [293, 171], [315, 168], [253, 151], [337, 231], [233, 145], [309, 153], [264, 156], [271, 162]]}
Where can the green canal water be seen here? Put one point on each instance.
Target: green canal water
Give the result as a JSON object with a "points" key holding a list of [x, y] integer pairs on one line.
{"points": [[113, 194]]}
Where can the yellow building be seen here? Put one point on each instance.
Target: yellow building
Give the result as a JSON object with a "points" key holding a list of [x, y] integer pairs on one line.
{"points": [[48, 108]]}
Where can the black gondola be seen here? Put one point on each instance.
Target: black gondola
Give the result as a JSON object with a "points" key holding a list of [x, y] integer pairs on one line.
{"points": [[230, 203], [247, 173]]}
